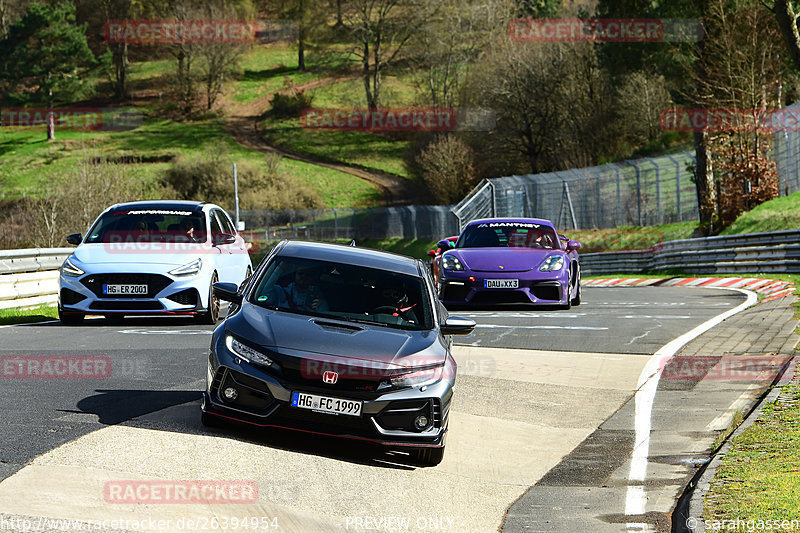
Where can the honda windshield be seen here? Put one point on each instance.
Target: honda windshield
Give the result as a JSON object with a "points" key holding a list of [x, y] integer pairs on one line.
{"points": [[344, 291]]}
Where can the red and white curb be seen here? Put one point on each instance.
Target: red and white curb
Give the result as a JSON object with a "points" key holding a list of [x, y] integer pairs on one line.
{"points": [[771, 289]]}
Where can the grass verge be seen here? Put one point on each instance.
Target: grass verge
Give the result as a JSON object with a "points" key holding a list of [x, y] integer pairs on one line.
{"points": [[22, 316], [759, 478]]}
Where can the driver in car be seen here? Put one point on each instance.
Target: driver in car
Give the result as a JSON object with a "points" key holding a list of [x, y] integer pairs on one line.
{"points": [[395, 301], [302, 294]]}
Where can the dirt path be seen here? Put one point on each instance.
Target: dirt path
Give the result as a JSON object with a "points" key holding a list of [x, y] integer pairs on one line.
{"points": [[242, 124]]}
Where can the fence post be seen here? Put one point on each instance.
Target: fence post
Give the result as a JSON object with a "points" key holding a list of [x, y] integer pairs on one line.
{"points": [[638, 192], [677, 186], [619, 195], [314, 224], [335, 224], [659, 213], [494, 199], [266, 222]]}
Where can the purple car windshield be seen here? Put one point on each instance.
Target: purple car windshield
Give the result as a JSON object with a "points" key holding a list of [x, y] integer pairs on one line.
{"points": [[508, 235]]}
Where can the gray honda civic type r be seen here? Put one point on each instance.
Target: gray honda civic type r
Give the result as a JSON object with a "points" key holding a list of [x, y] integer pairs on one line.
{"points": [[336, 340]]}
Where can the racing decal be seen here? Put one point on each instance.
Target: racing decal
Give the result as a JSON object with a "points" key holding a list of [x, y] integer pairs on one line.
{"points": [[158, 212], [509, 225]]}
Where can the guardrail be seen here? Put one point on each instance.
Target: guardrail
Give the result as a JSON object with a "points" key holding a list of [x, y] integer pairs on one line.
{"points": [[30, 277], [768, 252]]}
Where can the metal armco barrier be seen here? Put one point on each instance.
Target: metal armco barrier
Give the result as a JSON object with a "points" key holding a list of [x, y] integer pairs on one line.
{"points": [[30, 277], [770, 252]]}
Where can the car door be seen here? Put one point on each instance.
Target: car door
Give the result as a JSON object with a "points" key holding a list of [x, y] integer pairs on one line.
{"points": [[231, 260]]}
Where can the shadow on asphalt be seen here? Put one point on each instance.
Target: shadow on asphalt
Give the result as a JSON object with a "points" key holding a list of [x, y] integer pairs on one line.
{"points": [[185, 418], [117, 406], [97, 322], [140, 408]]}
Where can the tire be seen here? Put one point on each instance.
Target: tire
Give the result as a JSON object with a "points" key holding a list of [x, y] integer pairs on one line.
{"points": [[70, 319], [577, 299], [567, 305], [428, 456], [211, 316]]}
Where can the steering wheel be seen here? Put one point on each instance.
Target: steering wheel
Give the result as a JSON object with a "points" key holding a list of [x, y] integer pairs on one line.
{"points": [[383, 310]]}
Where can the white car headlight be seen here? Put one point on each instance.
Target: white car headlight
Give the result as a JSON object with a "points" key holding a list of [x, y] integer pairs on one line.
{"points": [[552, 263], [417, 378], [251, 355], [451, 262], [70, 269], [188, 269]]}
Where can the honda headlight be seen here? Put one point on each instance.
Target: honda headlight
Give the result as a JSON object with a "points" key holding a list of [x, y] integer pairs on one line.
{"points": [[251, 355], [552, 263], [69, 269], [451, 262], [416, 378], [188, 269]]}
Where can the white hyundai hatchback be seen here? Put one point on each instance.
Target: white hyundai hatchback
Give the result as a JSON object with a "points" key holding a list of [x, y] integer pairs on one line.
{"points": [[154, 257]]}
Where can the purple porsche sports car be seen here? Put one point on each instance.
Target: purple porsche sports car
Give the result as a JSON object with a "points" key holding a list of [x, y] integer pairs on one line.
{"points": [[510, 260]]}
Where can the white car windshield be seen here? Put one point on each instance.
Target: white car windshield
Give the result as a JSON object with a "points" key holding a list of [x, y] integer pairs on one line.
{"points": [[148, 225]]}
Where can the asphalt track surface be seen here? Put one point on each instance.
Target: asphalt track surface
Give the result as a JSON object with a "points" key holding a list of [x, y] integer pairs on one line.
{"points": [[158, 367]]}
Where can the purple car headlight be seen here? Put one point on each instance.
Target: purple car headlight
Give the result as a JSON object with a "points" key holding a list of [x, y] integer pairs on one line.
{"points": [[552, 263], [451, 262]]}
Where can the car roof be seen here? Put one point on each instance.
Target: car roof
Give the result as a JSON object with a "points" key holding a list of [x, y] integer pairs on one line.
{"points": [[539, 221], [354, 255], [161, 205]]}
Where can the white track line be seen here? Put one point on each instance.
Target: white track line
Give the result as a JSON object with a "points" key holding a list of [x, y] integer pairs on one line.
{"points": [[647, 386]]}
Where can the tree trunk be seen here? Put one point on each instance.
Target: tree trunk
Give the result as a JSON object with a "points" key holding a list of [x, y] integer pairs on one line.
{"points": [[365, 72], [339, 21], [51, 119], [704, 176], [785, 15], [121, 70], [301, 38]]}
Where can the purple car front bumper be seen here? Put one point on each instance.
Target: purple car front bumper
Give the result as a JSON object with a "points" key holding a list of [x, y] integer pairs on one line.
{"points": [[533, 287]]}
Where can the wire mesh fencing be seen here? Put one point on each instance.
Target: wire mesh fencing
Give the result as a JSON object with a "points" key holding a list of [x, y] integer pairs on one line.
{"points": [[786, 152], [642, 192], [407, 222]]}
